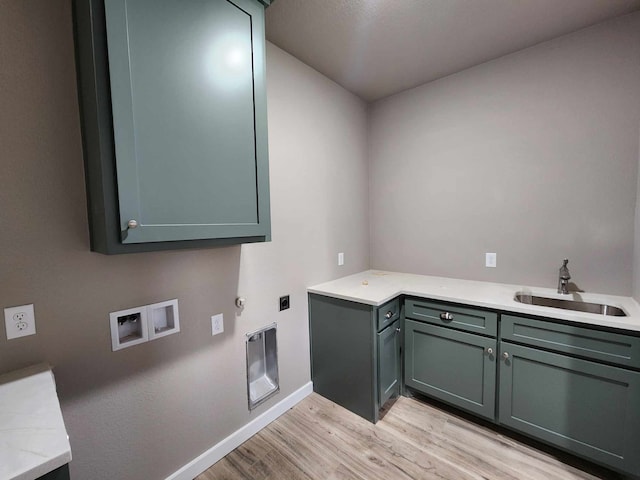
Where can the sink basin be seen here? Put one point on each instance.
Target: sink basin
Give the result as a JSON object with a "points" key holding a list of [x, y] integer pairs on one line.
{"points": [[576, 305]]}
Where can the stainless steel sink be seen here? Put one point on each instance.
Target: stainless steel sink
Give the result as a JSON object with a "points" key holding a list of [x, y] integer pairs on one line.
{"points": [[576, 305]]}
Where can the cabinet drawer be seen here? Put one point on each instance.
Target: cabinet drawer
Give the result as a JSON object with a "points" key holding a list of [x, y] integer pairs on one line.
{"points": [[388, 313], [593, 344], [454, 316]]}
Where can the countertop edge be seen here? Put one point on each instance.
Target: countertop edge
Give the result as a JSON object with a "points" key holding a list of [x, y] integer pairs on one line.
{"points": [[399, 284], [38, 378], [47, 467]]}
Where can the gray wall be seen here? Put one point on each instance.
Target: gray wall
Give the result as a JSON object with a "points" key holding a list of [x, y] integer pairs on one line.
{"points": [[636, 249], [563, 115], [144, 412], [533, 156]]}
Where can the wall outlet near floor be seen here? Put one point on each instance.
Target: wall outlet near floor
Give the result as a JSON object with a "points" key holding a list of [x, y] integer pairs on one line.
{"points": [[217, 324], [20, 321], [491, 260], [340, 259]]}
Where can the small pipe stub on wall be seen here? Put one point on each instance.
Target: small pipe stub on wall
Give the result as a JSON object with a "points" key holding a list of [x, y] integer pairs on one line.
{"points": [[240, 302]]}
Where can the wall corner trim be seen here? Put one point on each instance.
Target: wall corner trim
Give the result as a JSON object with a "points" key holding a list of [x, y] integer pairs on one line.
{"points": [[237, 438]]}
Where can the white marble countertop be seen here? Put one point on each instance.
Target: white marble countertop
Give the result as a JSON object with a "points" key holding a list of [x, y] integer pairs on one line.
{"points": [[33, 438], [375, 287]]}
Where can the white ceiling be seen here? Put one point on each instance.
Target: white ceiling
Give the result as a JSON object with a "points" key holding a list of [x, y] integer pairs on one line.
{"points": [[376, 48]]}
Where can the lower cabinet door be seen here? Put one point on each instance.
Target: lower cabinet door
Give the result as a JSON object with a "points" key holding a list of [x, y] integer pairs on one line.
{"points": [[587, 408], [456, 367], [389, 362]]}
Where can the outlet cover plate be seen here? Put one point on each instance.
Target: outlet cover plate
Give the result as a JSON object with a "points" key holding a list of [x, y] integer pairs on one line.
{"points": [[491, 259], [217, 324], [20, 321]]}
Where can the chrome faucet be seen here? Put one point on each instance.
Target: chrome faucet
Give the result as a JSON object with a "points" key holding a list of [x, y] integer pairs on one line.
{"points": [[563, 278]]}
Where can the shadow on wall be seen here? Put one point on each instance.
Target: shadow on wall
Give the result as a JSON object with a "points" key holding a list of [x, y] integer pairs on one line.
{"points": [[73, 320]]}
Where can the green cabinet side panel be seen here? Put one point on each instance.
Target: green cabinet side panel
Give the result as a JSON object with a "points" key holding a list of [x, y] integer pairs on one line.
{"points": [[461, 317], [173, 106], [61, 473], [343, 356], [585, 342], [452, 366], [389, 362], [587, 408]]}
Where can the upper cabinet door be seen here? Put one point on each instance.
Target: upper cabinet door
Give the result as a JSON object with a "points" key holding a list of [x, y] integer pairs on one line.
{"points": [[188, 118], [174, 122]]}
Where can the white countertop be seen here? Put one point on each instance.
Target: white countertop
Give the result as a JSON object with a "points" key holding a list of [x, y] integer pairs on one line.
{"points": [[375, 287], [33, 438]]}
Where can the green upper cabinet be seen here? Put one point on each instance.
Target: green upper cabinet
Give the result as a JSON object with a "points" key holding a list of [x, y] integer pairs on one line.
{"points": [[174, 122]]}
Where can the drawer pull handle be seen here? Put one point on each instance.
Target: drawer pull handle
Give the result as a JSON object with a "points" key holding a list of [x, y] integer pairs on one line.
{"points": [[505, 355], [446, 316], [397, 329], [490, 350], [388, 315]]}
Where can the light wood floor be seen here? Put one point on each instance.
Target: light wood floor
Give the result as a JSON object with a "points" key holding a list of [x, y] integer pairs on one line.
{"points": [[318, 440]]}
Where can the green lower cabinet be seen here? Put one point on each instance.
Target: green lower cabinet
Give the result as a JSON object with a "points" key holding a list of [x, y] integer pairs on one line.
{"points": [[587, 408], [389, 362], [352, 364], [453, 366], [572, 387], [61, 473]]}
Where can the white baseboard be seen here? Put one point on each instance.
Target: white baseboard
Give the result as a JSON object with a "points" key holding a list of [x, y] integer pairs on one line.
{"points": [[198, 465]]}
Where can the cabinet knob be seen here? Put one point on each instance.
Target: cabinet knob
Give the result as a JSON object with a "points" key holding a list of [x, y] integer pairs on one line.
{"points": [[505, 355], [397, 329], [446, 316], [132, 224], [490, 350], [388, 315]]}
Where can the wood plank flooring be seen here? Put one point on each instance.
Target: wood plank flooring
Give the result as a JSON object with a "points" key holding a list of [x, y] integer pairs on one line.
{"points": [[319, 440]]}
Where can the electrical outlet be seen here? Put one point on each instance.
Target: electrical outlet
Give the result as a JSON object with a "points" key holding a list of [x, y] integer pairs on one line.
{"points": [[217, 324], [20, 321], [490, 260], [284, 303], [340, 259]]}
